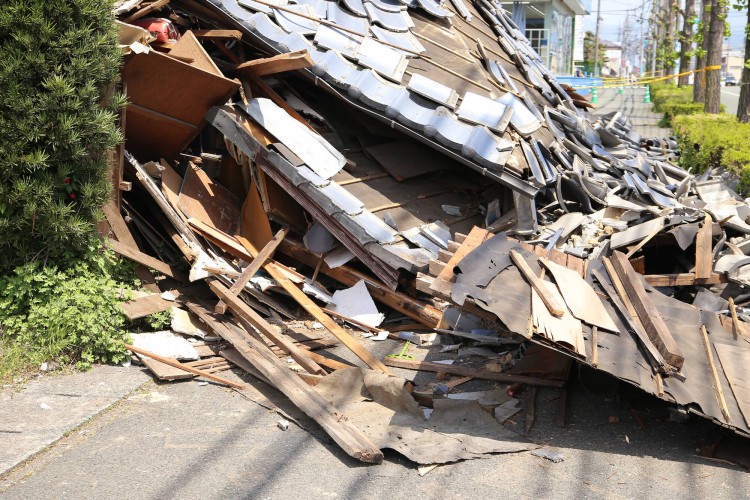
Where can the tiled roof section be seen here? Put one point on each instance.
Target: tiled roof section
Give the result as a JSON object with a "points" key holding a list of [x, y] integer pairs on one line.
{"points": [[435, 82]]}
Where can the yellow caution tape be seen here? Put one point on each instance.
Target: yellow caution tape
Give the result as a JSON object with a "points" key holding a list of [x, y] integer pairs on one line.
{"points": [[669, 77]]}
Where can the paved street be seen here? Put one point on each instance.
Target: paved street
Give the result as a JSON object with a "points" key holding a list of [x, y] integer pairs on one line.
{"points": [[631, 104], [184, 440], [730, 97]]}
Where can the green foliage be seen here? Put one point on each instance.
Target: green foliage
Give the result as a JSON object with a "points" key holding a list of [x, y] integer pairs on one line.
{"points": [[588, 53], [58, 60], [712, 141], [70, 314], [673, 101]]}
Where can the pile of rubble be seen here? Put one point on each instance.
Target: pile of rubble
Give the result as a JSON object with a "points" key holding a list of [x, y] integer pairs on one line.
{"points": [[323, 155]]}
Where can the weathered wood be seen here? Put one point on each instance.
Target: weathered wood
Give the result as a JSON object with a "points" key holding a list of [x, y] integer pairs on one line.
{"points": [[704, 257], [735, 319], [123, 235], [336, 425], [649, 315], [247, 274], [218, 34], [289, 61], [594, 346], [684, 279], [435, 267], [554, 308], [317, 313], [715, 375], [144, 306], [247, 314], [158, 4], [419, 311], [470, 372], [182, 366], [137, 256]]}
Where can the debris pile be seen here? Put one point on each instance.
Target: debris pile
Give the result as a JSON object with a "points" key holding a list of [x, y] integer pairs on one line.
{"points": [[323, 156]]}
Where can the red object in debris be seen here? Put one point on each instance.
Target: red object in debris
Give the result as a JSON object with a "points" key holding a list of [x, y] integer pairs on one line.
{"points": [[162, 29], [513, 390], [72, 195]]}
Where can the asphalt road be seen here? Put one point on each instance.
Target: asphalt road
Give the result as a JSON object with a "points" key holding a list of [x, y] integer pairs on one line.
{"points": [[184, 440], [730, 97]]}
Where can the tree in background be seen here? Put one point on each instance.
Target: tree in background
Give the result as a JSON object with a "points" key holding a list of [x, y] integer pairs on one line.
{"points": [[701, 39], [743, 109], [588, 53], [58, 59], [716, 28], [686, 41]]}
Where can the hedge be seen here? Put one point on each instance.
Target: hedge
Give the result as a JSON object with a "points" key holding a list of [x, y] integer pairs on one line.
{"points": [[673, 101], [713, 141]]}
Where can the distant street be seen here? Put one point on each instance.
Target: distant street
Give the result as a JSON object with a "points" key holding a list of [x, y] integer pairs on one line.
{"points": [[730, 97]]}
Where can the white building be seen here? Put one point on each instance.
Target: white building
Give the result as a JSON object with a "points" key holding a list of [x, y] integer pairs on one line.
{"points": [[550, 26]]}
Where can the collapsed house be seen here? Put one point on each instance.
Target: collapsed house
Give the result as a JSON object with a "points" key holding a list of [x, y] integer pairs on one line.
{"points": [[419, 154]]}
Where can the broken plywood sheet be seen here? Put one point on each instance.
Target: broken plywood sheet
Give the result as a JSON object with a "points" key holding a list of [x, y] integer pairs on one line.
{"points": [[580, 298], [209, 202], [386, 413], [735, 362], [158, 123], [165, 344], [565, 329], [190, 48], [406, 159]]}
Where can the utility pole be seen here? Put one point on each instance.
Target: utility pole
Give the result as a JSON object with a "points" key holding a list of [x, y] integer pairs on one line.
{"points": [[596, 37], [641, 40]]}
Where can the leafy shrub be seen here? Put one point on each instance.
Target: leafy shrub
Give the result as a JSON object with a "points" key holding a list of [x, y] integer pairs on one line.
{"points": [[58, 60], [712, 141], [663, 93]]}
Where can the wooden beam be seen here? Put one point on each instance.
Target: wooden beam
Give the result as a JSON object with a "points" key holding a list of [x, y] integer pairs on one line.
{"points": [[735, 319], [684, 279], [145, 306], [218, 34], [419, 311], [476, 237], [715, 375], [288, 61], [651, 319], [137, 256], [158, 4], [176, 364], [704, 257], [470, 372], [317, 313], [248, 315], [265, 254], [537, 284], [333, 422]]}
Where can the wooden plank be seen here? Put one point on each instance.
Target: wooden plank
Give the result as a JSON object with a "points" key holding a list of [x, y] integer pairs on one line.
{"points": [[435, 267], [265, 254], [137, 256], [594, 346], [280, 63], [735, 320], [207, 201], [476, 237], [684, 279], [247, 314], [715, 375], [651, 319], [419, 311], [158, 4], [184, 367], [470, 372], [123, 235], [312, 308], [552, 305], [218, 34], [347, 436], [145, 306], [188, 46], [704, 257]]}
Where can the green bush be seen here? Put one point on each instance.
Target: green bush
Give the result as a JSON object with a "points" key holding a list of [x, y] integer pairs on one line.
{"points": [[669, 94], [672, 109], [712, 141], [58, 61]]}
